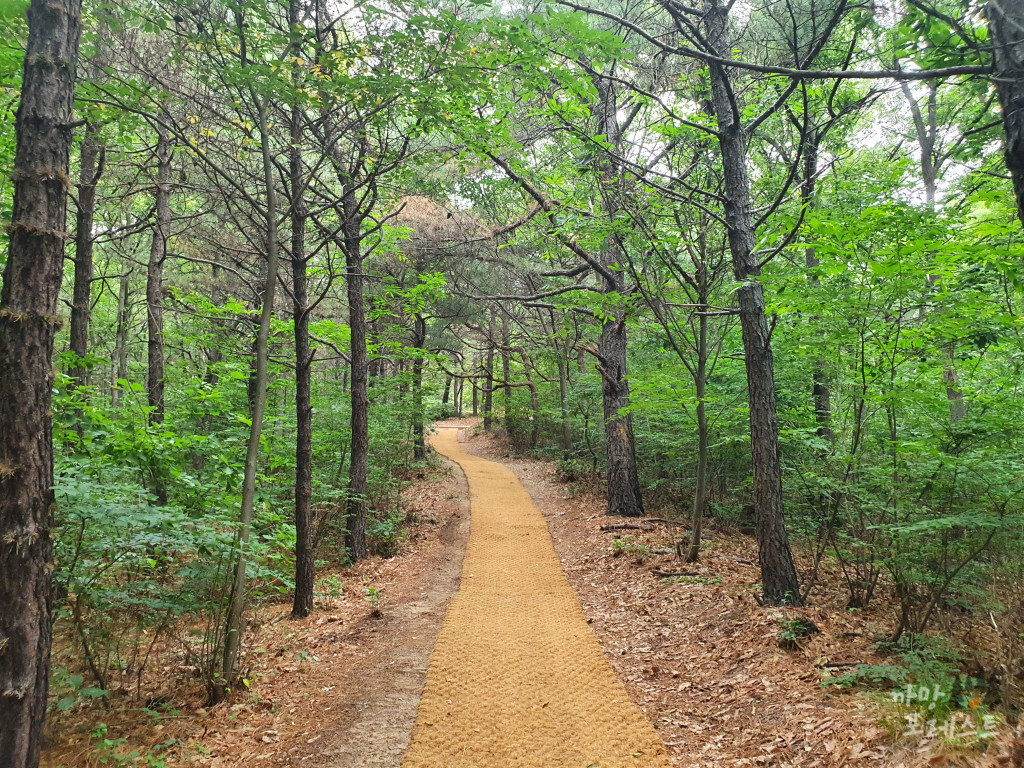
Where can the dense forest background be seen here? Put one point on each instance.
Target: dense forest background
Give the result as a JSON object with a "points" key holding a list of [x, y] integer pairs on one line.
{"points": [[782, 292]]}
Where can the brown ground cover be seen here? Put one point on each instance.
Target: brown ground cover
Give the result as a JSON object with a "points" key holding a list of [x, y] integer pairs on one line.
{"points": [[702, 658], [696, 653]]}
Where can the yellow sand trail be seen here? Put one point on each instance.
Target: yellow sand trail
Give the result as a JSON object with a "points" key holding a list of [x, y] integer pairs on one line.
{"points": [[517, 679]]}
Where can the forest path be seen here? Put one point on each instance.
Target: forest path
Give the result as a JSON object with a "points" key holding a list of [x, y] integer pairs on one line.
{"points": [[517, 678]]}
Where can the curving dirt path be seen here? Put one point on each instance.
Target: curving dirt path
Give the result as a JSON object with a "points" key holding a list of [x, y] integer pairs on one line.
{"points": [[517, 679]]}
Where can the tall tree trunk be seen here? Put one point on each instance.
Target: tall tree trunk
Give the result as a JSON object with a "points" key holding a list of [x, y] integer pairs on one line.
{"points": [[304, 555], [506, 366], [446, 393], [28, 322], [700, 381], [623, 480], [926, 126], [154, 280], [419, 341], [360, 449], [778, 573], [155, 298], [563, 403], [489, 380], [623, 491], [205, 422], [1006, 20], [91, 168], [121, 339], [820, 393], [534, 403], [233, 627]]}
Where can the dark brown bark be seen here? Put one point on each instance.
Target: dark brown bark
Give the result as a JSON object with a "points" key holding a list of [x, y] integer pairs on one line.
{"points": [[489, 379], [419, 341], [155, 298], [700, 377], [90, 170], [304, 555], [778, 573], [121, 339], [28, 322], [446, 393], [534, 403], [360, 448], [1006, 21], [154, 280], [506, 366], [820, 393], [563, 403], [623, 482], [623, 479]]}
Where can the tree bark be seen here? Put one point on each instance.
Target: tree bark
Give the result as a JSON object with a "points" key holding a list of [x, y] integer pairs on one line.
{"points": [[778, 573], [446, 392], [489, 379], [926, 126], [28, 322], [304, 555], [506, 366], [233, 627], [820, 393], [623, 479], [91, 168], [1006, 20], [154, 282], [360, 449], [419, 341], [121, 339], [563, 403], [700, 382]]}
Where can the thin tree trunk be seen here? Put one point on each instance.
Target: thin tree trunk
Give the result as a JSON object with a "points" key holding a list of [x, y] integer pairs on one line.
{"points": [[155, 298], [820, 393], [88, 176], [1006, 20], [489, 381], [700, 381], [506, 366], [778, 573], [205, 422], [28, 322], [360, 449], [233, 627], [304, 555], [926, 126], [446, 393], [419, 341], [563, 404], [534, 404], [121, 339], [154, 282]]}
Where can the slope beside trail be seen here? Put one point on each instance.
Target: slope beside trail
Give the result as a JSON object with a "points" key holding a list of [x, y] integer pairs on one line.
{"points": [[517, 678]]}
